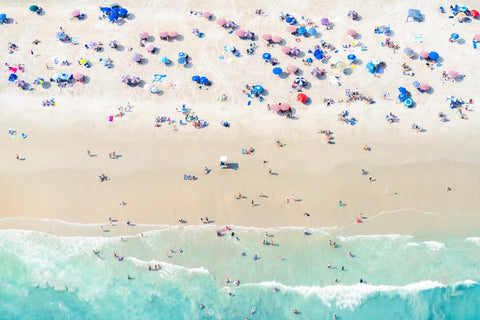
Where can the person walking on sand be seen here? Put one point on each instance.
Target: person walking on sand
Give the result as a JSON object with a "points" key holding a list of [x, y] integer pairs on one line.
{"points": [[253, 203], [18, 157], [293, 197], [89, 153]]}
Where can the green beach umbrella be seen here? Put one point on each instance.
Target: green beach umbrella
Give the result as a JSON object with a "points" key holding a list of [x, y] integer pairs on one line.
{"points": [[33, 8]]}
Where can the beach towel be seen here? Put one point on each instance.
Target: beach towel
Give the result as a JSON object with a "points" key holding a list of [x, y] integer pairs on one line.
{"points": [[110, 118], [159, 77], [418, 38]]}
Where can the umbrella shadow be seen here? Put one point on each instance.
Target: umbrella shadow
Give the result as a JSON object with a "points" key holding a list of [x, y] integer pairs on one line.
{"points": [[307, 86], [461, 41], [150, 39], [141, 84], [130, 16], [86, 79], [46, 85], [430, 91], [282, 43], [301, 54], [347, 71], [265, 92], [318, 35], [440, 60], [120, 48], [188, 65], [299, 73], [143, 62], [358, 36], [283, 75], [233, 165], [359, 62], [180, 37], [308, 102]]}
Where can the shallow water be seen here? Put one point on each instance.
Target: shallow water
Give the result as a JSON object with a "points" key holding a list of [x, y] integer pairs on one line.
{"points": [[58, 277]]}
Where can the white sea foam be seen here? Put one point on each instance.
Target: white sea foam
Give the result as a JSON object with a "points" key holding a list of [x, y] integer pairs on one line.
{"points": [[434, 245], [475, 240], [349, 297], [466, 283], [383, 237], [413, 244], [169, 269]]}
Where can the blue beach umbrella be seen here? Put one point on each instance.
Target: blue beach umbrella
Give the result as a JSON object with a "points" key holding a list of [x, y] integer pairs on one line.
{"points": [[163, 59], [302, 31], [312, 31], [123, 12], [3, 16], [277, 70], [64, 76], [318, 54], [309, 60], [402, 96], [203, 80], [266, 56], [116, 11], [433, 55], [402, 90], [181, 54], [415, 84], [258, 88], [408, 102], [182, 60], [113, 17], [291, 20], [195, 78], [105, 9], [454, 36], [351, 57], [370, 67]]}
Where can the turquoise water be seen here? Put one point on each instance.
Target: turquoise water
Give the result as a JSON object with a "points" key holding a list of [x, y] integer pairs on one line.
{"points": [[405, 277]]}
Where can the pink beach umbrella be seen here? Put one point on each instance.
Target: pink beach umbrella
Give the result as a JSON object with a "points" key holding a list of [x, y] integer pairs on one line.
{"points": [[163, 34], [173, 34], [295, 51], [75, 13], [476, 37], [150, 48], [275, 107], [316, 72], [292, 69], [453, 74], [143, 35], [137, 57], [284, 107], [221, 21], [351, 32], [423, 54], [78, 76], [286, 49], [206, 14], [291, 29], [276, 39], [92, 44], [230, 24], [424, 86], [249, 35], [240, 33], [267, 36]]}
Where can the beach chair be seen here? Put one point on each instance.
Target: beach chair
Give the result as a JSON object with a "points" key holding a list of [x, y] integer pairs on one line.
{"points": [[184, 177], [243, 151]]}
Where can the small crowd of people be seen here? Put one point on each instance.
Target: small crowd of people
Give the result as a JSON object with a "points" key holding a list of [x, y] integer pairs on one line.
{"points": [[391, 118], [390, 44], [354, 95], [407, 70], [328, 136]]}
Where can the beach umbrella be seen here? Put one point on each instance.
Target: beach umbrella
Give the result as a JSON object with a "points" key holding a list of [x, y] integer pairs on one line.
{"points": [[230, 24], [276, 39], [451, 99], [291, 29], [351, 57], [423, 54], [433, 55], [476, 37], [203, 80], [150, 48], [163, 34], [137, 57], [195, 31], [240, 33], [454, 36], [453, 73], [143, 35], [286, 49], [206, 14], [284, 107], [113, 17], [324, 21], [221, 21], [64, 76], [461, 16], [351, 32], [402, 90], [316, 72], [312, 31], [154, 89], [3, 16], [172, 34], [275, 107], [196, 78], [125, 79], [83, 61], [318, 54], [39, 81], [384, 29], [277, 70], [301, 81], [290, 20], [115, 9], [181, 54], [123, 12], [415, 84], [291, 68], [370, 67], [106, 10], [376, 61], [424, 86], [92, 44], [33, 8], [302, 97], [75, 13], [249, 35], [474, 13], [78, 76], [295, 51], [408, 102], [113, 44], [20, 83], [182, 60], [267, 37], [302, 31], [135, 80], [163, 59], [266, 56], [258, 88], [309, 60], [408, 51]]}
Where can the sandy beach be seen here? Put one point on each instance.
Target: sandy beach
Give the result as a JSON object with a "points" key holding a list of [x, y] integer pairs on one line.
{"points": [[410, 170]]}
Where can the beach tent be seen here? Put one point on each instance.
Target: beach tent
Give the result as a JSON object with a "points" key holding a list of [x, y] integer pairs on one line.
{"points": [[415, 15]]}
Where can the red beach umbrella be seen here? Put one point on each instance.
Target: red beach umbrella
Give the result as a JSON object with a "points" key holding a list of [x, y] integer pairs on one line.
{"points": [[221, 21], [453, 73], [78, 76], [284, 107], [240, 33], [163, 34], [291, 68], [75, 13], [173, 34], [424, 86], [143, 35], [474, 13], [276, 39], [206, 14], [476, 37], [286, 49], [291, 29], [267, 36], [351, 32], [423, 54], [302, 97]]}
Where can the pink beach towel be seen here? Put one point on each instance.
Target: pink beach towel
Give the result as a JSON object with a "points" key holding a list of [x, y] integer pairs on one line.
{"points": [[110, 118], [12, 69]]}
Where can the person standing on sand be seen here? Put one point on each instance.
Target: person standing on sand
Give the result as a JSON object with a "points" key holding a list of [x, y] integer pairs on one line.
{"points": [[253, 203], [18, 157]]}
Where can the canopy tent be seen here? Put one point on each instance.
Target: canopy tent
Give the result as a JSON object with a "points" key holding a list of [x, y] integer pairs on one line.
{"points": [[415, 15]]}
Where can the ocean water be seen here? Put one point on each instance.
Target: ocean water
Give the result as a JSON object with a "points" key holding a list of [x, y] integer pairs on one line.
{"points": [[43, 276]]}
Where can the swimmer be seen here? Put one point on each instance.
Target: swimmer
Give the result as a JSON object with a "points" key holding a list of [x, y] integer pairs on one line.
{"points": [[128, 277], [253, 310], [227, 281], [295, 311], [202, 306], [329, 266], [350, 255], [274, 289]]}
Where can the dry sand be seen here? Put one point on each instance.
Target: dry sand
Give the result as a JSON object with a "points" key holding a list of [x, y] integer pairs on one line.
{"points": [[411, 170]]}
